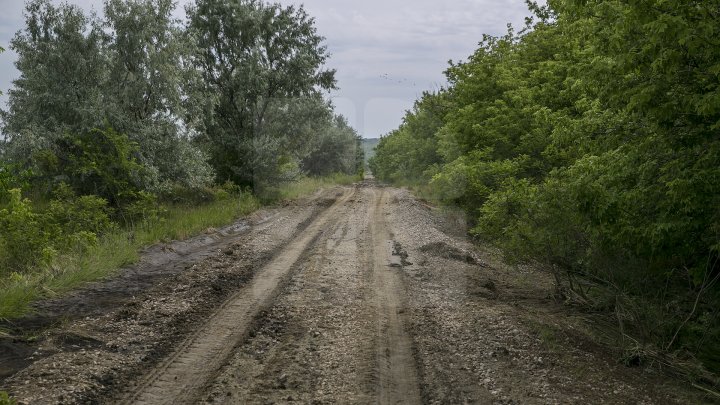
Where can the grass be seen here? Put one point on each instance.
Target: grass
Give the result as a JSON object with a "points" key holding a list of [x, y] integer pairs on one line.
{"points": [[306, 186], [5, 399], [121, 248]]}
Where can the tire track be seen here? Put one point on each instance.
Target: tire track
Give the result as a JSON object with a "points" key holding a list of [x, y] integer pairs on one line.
{"points": [[315, 344], [184, 374], [397, 377]]}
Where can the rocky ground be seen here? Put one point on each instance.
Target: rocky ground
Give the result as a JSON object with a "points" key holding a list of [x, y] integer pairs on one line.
{"points": [[358, 294]]}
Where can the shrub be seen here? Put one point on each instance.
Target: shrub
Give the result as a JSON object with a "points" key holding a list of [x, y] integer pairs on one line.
{"points": [[97, 162], [11, 178], [24, 238], [74, 214]]}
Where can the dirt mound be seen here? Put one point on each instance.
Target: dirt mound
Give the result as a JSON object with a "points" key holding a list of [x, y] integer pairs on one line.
{"points": [[442, 249]]}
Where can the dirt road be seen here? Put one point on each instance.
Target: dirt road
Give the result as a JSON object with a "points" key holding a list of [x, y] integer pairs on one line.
{"points": [[358, 294]]}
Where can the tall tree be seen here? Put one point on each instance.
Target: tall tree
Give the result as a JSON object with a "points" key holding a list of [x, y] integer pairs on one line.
{"points": [[61, 62], [149, 81], [587, 145], [129, 72], [252, 55]]}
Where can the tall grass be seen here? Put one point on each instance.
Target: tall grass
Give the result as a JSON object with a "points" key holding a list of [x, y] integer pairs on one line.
{"points": [[121, 248], [305, 186]]}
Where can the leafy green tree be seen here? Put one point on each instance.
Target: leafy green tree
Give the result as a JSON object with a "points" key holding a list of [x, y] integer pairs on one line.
{"points": [[149, 81], [252, 55], [60, 60], [128, 72], [410, 153], [337, 150]]}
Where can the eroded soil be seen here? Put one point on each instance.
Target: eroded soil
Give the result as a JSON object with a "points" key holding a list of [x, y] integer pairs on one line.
{"points": [[357, 294]]}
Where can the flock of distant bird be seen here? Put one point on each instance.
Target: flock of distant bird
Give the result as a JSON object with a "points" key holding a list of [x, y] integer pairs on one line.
{"points": [[401, 81]]}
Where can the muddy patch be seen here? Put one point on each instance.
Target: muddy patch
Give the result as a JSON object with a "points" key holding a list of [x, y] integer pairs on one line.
{"points": [[443, 250], [14, 355], [400, 252]]}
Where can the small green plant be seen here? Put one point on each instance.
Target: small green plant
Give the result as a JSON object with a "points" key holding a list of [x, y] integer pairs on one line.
{"points": [[5, 399]]}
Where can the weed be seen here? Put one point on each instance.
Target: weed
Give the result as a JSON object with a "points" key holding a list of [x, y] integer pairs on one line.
{"points": [[5, 399]]}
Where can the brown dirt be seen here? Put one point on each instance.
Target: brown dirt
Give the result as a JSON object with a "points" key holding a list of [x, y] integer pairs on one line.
{"points": [[357, 295]]}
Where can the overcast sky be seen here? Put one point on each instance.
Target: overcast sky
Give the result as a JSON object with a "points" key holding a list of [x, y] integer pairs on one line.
{"points": [[386, 52]]}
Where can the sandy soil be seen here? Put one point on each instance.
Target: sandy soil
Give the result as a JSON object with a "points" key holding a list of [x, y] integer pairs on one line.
{"points": [[357, 294]]}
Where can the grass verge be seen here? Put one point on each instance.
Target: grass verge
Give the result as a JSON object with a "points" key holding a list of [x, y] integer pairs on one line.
{"points": [[305, 186], [121, 248]]}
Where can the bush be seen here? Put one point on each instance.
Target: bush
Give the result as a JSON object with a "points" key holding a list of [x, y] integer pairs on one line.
{"points": [[587, 145], [97, 162], [24, 238], [73, 214], [30, 238], [12, 178]]}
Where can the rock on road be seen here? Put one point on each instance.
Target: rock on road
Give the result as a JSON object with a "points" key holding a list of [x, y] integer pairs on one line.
{"points": [[358, 294]]}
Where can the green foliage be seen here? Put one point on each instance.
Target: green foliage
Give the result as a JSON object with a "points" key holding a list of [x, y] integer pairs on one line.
{"points": [[24, 240], [239, 86], [5, 399], [75, 214], [337, 150], [60, 63], [259, 61], [586, 144], [31, 238], [117, 247], [99, 162], [152, 89], [407, 153], [128, 72], [12, 178]]}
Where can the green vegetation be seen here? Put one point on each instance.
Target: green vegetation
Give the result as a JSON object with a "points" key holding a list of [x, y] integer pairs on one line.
{"points": [[309, 185], [68, 268], [5, 399], [586, 144], [133, 128], [369, 145]]}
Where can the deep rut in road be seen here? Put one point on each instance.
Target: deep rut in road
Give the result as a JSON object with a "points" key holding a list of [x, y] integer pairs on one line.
{"points": [[397, 382]]}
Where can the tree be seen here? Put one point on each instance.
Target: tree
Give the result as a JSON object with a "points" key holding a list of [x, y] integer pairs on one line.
{"points": [[587, 145], [337, 149], [149, 79], [252, 55], [61, 62], [128, 72]]}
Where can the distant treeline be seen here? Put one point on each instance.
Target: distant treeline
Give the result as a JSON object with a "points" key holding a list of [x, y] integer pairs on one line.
{"points": [[113, 115], [588, 144]]}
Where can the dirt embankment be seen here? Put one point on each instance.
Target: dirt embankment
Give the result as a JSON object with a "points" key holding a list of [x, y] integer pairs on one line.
{"points": [[356, 295]]}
